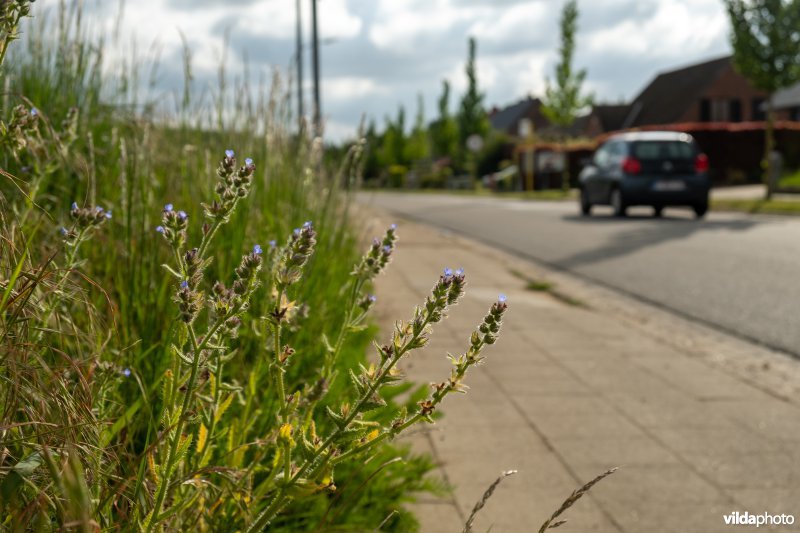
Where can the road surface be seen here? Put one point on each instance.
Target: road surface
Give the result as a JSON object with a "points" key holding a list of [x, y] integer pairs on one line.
{"points": [[737, 272]]}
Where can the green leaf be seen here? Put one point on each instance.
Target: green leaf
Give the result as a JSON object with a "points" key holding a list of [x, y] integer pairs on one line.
{"points": [[171, 271]]}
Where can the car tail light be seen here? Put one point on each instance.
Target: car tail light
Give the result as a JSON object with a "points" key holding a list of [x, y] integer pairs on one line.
{"points": [[701, 163], [631, 166]]}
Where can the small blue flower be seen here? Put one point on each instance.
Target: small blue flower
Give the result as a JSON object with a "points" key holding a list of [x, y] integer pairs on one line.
{"points": [[126, 372], [64, 230], [393, 227], [168, 207], [182, 215], [184, 284], [98, 209], [248, 161], [448, 272], [460, 272], [372, 298], [74, 205], [257, 249], [296, 231], [34, 111], [502, 298], [229, 154], [108, 214], [307, 224], [273, 243], [160, 229], [387, 249]]}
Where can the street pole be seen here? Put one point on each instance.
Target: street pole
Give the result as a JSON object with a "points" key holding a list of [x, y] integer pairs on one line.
{"points": [[315, 59], [299, 55]]}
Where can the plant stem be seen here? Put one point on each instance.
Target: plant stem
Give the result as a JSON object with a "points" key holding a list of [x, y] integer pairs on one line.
{"points": [[173, 445], [279, 501]]}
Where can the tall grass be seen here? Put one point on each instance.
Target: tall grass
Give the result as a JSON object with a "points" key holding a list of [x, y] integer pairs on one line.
{"points": [[86, 335]]}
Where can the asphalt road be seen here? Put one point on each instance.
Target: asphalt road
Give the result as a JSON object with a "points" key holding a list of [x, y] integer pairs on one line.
{"points": [[737, 272]]}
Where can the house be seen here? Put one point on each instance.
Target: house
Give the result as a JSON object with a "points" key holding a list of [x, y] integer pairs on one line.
{"points": [[787, 102], [712, 91], [512, 119]]}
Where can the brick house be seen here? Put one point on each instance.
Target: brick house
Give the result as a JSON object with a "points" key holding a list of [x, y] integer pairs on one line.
{"points": [[510, 119]]}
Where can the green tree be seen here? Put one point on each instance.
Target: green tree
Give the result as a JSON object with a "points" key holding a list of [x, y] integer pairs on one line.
{"points": [[444, 131], [472, 118], [564, 100], [418, 146], [765, 35]]}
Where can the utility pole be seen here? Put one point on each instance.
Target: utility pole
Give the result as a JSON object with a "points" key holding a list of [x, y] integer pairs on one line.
{"points": [[315, 59], [299, 55]]}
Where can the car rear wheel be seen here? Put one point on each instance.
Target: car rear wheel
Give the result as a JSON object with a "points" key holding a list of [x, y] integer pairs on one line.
{"points": [[701, 209], [586, 206], [618, 204]]}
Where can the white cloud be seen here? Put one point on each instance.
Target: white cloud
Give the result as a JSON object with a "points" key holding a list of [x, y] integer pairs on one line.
{"points": [[347, 88], [676, 29]]}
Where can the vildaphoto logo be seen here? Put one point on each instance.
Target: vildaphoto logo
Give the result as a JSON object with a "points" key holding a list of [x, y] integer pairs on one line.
{"points": [[764, 519]]}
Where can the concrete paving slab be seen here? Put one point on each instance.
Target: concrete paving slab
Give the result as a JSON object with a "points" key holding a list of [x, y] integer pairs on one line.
{"points": [[698, 420]]}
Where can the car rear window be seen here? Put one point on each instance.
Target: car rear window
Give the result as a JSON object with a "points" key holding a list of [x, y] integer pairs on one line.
{"points": [[649, 150]]}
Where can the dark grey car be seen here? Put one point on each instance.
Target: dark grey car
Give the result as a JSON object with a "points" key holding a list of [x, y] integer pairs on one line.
{"points": [[655, 168]]}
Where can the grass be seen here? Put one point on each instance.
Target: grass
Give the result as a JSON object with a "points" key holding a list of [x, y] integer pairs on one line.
{"points": [[539, 285], [86, 344], [790, 181], [545, 195], [760, 206]]}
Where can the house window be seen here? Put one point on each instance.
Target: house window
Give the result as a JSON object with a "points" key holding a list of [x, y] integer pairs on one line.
{"points": [[735, 110], [720, 110], [759, 111], [705, 110]]}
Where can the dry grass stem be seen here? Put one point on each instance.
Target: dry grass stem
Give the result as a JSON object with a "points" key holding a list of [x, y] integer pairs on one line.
{"points": [[486, 495], [550, 523]]}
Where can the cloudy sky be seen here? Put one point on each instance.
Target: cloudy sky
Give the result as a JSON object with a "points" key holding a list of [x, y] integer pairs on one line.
{"points": [[383, 53]]}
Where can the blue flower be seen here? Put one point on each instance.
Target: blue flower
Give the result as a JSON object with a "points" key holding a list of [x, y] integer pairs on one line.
{"points": [[182, 215], [184, 284], [248, 161], [372, 298], [393, 227], [168, 207], [307, 224], [34, 111], [64, 230], [74, 205], [387, 249], [108, 214], [460, 272], [296, 231], [98, 209], [126, 372], [229, 154], [502, 298], [273, 243], [257, 249], [448, 272], [160, 229]]}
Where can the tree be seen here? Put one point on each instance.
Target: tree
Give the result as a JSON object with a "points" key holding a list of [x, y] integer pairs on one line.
{"points": [[444, 131], [765, 35], [564, 100], [472, 119], [418, 146]]}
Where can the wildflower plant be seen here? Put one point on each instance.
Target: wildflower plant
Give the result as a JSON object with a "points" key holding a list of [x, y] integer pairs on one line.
{"points": [[311, 433]]}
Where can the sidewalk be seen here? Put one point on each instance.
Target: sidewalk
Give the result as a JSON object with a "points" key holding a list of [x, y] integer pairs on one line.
{"points": [[702, 424]]}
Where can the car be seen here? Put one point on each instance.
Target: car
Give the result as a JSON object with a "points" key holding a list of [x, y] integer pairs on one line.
{"points": [[654, 168]]}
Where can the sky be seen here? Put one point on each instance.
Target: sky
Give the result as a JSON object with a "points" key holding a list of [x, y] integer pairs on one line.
{"points": [[379, 54]]}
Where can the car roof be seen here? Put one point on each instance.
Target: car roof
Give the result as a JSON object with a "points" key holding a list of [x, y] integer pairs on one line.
{"points": [[651, 136]]}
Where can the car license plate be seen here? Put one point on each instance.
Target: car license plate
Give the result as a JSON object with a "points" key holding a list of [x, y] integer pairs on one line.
{"points": [[669, 185]]}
